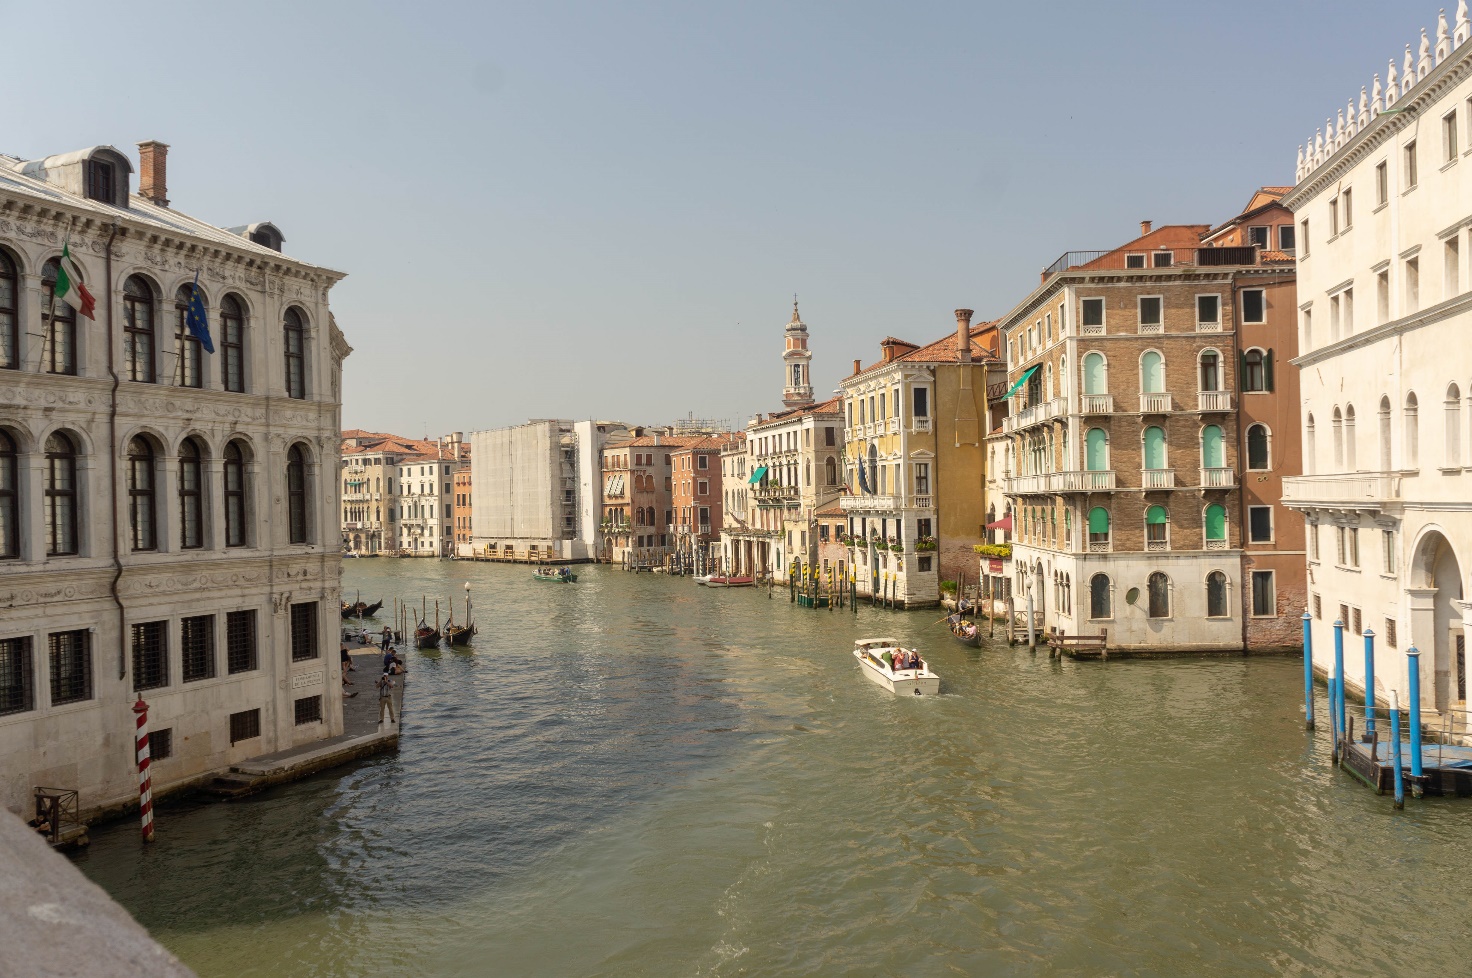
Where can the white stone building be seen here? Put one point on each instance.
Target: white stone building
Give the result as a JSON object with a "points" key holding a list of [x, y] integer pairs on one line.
{"points": [[168, 517], [1384, 205]]}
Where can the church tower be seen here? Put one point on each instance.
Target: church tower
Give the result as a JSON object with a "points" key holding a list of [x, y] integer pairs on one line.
{"points": [[797, 390]]}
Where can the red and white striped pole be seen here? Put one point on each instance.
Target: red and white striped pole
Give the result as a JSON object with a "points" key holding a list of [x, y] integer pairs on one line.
{"points": [[145, 780]]}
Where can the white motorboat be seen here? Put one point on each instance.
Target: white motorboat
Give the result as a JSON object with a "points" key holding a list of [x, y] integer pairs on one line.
{"points": [[876, 660], [703, 579]]}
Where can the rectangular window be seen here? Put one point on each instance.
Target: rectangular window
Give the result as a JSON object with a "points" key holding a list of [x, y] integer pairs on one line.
{"points": [[1387, 551], [702, 487], [245, 725], [1333, 217], [1162, 259], [1382, 296], [150, 655], [1354, 546], [1356, 623], [1318, 607], [1303, 236], [1209, 310], [1452, 268], [1264, 595], [1092, 313], [1258, 235], [161, 744], [100, 181], [1134, 261], [922, 527], [703, 461], [1341, 538], [1413, 284], [1410, 165], [308, 709], [304, 631], [1285, 238], [1449, 137], [1382, 184], [924, 563], [70, 657], [922, 478], [1390, 633], [1313, 541], [1344, 615], [17, 676], [197, 647], [1150, 312], [1254, 306], [829, 437], [1260, 524]]}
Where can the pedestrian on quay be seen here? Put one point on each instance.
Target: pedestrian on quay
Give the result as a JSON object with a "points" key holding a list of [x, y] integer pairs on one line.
{"points": [[387, 637], [347, 666], [385, 686]]}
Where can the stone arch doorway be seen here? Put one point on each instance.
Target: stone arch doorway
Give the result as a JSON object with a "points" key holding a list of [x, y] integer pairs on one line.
{"points": [[1436, 614]]}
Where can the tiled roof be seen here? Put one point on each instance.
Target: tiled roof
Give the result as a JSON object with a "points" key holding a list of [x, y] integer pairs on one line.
{"points": [[832, 511], [944, 350], [1275, 257]]}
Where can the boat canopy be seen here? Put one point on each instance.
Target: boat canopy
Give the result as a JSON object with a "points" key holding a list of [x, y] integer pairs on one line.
{"points": [[885, 642], [757, 476]]}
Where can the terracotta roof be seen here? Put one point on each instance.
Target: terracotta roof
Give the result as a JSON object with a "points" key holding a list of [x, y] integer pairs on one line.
{"points": [[834, 405], [665, 441], [1275, 257], [943, 350], [832, 511]]}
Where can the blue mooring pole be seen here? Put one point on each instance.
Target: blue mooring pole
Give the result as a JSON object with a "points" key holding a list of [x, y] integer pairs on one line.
{"points": [[1308, 670], [1413, 667], [1400, 784], [1336, 702], [1370, 684]]}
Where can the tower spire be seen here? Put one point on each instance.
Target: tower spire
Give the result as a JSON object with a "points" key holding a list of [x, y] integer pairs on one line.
{"points": [[797, 389]]}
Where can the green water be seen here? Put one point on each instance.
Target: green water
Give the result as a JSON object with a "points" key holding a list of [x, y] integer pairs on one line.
{"points": [[636, 776]]}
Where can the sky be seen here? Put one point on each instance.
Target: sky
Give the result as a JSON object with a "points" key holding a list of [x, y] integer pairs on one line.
{"points": [[603, 210]]}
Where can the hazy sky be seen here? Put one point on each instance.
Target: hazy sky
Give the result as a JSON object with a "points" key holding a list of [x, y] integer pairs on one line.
{"points": [[603, 209]]}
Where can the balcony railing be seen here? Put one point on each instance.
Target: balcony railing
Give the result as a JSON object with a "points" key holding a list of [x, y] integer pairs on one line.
{"points": [[871, 504], [1217, 478], [1097, 404], [1071, 481], [1234, 255], [894, 426], [1363, 490], [1036, 413], [1154, 403], [1215, 327], [1152, 327], [1158, 478], [1073, 259], [920, 502], [919, 424], [1213, 400]]}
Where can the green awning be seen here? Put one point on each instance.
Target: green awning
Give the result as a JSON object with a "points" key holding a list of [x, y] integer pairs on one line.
{"points": [[757, 475], [1021, 380], [1155, 514]]}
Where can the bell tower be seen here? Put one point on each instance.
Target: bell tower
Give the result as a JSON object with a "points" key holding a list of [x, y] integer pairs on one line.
{"points": [[797, 389]]}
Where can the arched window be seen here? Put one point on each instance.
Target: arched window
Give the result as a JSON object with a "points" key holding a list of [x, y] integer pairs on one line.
{"points": [[1349, 440], [1310, 446], [9, 313], [830, 472], [1338, 425], [1159, 588], [1048, 381], [1099, 529], [1216, 527], [1099, 597], [60, 321], [1096, 450], [1257, 370], [9, 497], [1385, 446], [191, 496], [1157, 529], [1259, 457], [142, 502], [235, 504], [138, 330], [1096, 381], [61, 495], [1453, 409], [1212, 454], [232, 344], [295, 345], [1216, 595], [1413, 448], [1211, 371], [296, 495], [190, 371], [1152, 373], [1154, 447], [1062, 376]]}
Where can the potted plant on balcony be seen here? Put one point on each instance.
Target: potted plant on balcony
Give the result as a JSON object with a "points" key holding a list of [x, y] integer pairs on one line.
{"points": [[925, 544]]}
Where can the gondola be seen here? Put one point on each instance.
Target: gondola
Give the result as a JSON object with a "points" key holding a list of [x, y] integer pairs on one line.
{"points": [[426, 637], [964, 630], [360, 610], [459, 634]]}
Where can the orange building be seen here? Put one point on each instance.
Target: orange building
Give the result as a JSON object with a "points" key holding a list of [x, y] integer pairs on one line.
{"points": [[461, 510], [695, 498]]}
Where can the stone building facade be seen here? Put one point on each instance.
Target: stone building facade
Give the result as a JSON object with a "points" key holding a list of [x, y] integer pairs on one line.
{"points": [[696, 500], [168, 517]]}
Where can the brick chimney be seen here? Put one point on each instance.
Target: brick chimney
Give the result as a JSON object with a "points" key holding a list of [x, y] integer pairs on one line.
{"points": [[1144, 228], [857, 366], [153, 178], [963, 334]]}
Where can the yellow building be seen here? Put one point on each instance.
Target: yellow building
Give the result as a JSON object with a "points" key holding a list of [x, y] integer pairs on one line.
{"points": [[915, 462]]}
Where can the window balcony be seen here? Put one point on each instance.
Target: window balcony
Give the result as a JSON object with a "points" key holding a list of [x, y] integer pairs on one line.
{"points": [[894, 426], [1218, 545], [1097, 404], [1154, 403], [1036, 414], [1158, 478], [918, 425], [1217, 478], [1213, 400], [1370, 491], [920, 502], [1050, 482], [1209, 327], [1092, 329], [871, 504], [1152, 328], [1101, 546]]}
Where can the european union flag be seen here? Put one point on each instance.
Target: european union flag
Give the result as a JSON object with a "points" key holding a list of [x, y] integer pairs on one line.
{"points": [[196, 320]]}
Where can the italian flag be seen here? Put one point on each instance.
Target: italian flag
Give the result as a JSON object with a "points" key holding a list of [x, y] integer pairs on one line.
{"points": [[69, 287]]}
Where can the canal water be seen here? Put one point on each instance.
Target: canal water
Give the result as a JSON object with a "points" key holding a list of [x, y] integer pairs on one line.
{"points": [[636, 776]]}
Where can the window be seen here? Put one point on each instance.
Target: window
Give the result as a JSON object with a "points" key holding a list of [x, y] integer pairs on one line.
{"points": [[245, 725], [924, 563], [1260, 524], [1154, 442], [296, 373], [61, 495], [1258, 235], [1096, 450], [1157, 528], [232, 344], [1254, 306], [1099, 596], [1412, 437], [1216, 525], [150, 655], [1451, 265], [1356, 622], [1264, 595], [1409, 155], [1449, 137], [235, 496], [1382, 184], [142, 511], [190, 371], [1162, 259], [1313, 541], [1092, 314], [1208, 310], [1152, 373], [1257, 370], [702, 487], [1258, 456], [308, 709], [9, 497], [1216, 595], [9, 314], [1382, 296], [1285, 237], [1346, 208], [304, 631], [17, 676], [1390, 638], [1150, 313], [1098, 527], [1453, 410], [1158, 587], [296, 495], [1333, 217], [1387, 551], [240, 641], [161, 744], [1134, 261], [58, 318], [1413, 284], [1303, 235], [1319, 607], [191, 486], [703, 461], [197, 647], [138, 330], [101, 182], [922, 478]]}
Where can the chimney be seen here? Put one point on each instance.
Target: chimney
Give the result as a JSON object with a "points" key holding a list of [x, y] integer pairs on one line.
{"points": [[963, 334], [153, 177], [1144, 228], [857, 365]]}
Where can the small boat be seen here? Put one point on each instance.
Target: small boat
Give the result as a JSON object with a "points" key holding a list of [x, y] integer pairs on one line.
{"points": [[718, 581], [560, 575], [702, 579], [351, 553], [360, 609], [459, 634], [426, 637], [964, 630], [876, 661]]}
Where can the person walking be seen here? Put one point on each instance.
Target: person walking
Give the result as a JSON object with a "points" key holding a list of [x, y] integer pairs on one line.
{"points": [[387, 635], [385, 686]]}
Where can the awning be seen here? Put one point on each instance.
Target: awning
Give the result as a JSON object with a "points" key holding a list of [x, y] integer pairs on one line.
{"points": [[757, 475], [1005, 523], [1021, 380]]}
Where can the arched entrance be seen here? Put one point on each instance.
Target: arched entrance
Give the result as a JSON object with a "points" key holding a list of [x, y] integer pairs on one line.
{"points": [[1436, 596]]}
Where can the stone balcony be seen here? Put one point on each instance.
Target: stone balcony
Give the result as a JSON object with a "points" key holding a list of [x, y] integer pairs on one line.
{"points": [[1213, 400], [1218, 477], [1158, 478], [1155, 403], [871, 504], [1050, 482], [1370, 491], [1035, 414], [1096, 404]]}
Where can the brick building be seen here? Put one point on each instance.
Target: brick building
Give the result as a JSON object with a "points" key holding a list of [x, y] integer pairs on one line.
{"points": [[695, 499], [461, 510]]}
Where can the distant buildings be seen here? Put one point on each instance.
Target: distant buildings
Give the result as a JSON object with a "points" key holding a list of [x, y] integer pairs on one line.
{"points": [[389, 503]]}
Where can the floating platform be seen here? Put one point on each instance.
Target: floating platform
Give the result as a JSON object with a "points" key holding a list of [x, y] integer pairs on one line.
{"points": [[1446, 769]]}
